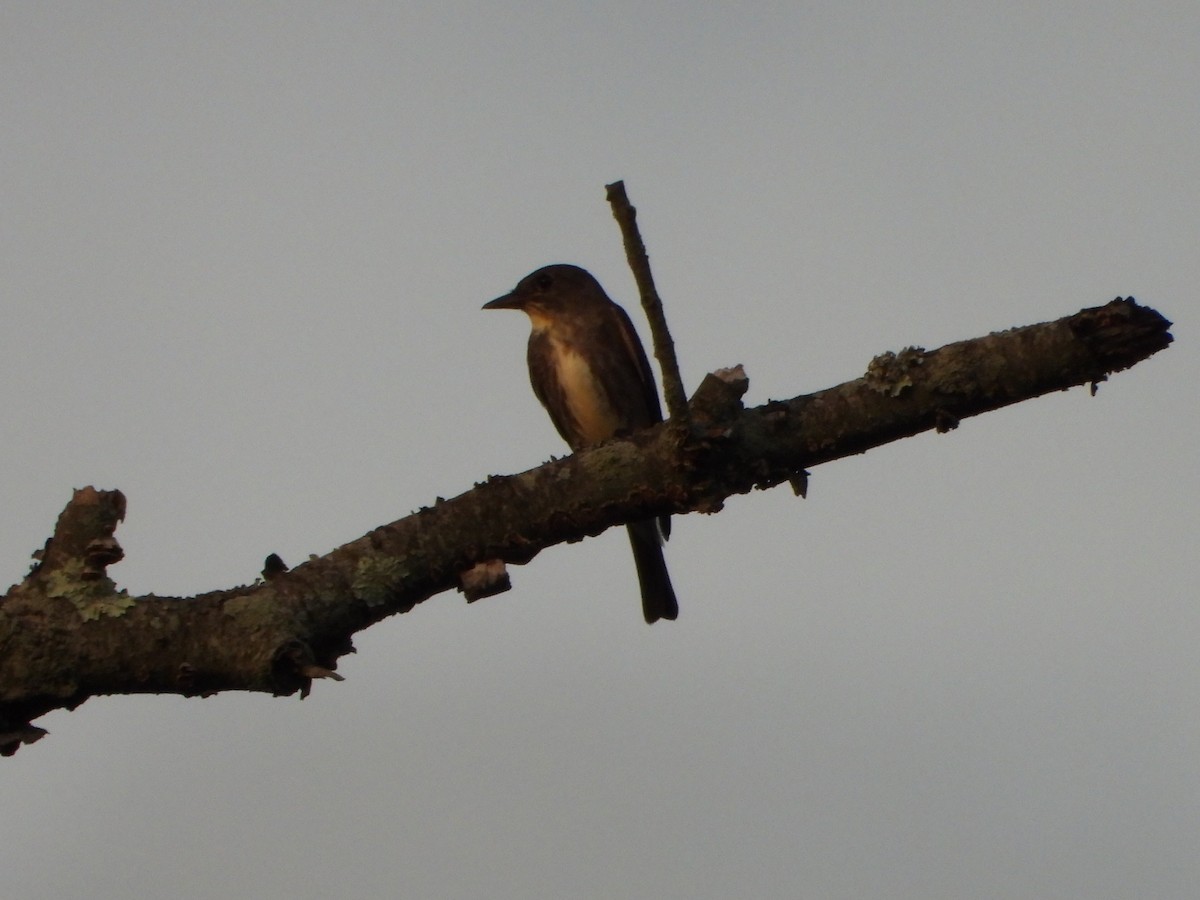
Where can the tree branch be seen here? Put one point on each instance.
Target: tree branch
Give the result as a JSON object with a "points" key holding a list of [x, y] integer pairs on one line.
{"points": [[635, 254], [67, 633]]}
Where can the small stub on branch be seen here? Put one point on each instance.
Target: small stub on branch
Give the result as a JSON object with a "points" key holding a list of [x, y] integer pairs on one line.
{"points": [[13, 736], [945, 422], [799, 483], [319, 672], [83, 535], [719, 397], [273, 567], [734, 376], [484, 580]]}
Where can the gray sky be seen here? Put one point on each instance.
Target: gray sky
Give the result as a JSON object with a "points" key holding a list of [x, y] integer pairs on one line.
{"points": [[244, 249]]}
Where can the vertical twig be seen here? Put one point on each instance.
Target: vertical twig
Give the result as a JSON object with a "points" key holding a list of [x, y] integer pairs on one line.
{"points": [[664, 347]]}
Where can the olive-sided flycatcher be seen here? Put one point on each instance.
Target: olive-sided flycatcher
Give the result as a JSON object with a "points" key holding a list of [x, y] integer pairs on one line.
{"points": [[588, 368]]}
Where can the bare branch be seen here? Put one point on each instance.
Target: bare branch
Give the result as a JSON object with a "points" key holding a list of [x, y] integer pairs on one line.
{"points": [[639, 262], [67, 633]]}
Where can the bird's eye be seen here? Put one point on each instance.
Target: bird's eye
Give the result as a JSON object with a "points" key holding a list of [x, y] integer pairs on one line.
{"points": [[543, 282]]}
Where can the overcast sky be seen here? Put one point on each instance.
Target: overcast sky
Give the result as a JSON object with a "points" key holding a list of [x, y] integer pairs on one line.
{"points": [[244, 249]]}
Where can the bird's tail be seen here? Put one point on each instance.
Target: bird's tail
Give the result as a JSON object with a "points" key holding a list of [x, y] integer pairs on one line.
{"points": [[658, 597]]}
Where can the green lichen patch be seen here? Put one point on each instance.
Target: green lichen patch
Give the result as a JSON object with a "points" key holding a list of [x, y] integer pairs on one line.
{"points": [[891, 373], [93, 598], [375, 579]]}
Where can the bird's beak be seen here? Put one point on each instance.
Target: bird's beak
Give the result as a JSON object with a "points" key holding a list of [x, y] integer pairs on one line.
{"points": [[508, 301]]}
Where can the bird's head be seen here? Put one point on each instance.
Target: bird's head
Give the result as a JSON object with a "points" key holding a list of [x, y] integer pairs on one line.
{"points": [[552, 289]]}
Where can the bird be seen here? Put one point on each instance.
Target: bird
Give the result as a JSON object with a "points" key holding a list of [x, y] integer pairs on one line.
{"points": [[590, 372]]}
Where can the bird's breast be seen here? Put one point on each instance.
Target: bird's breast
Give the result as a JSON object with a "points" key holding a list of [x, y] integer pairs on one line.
{"points": [[587, 403]]}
